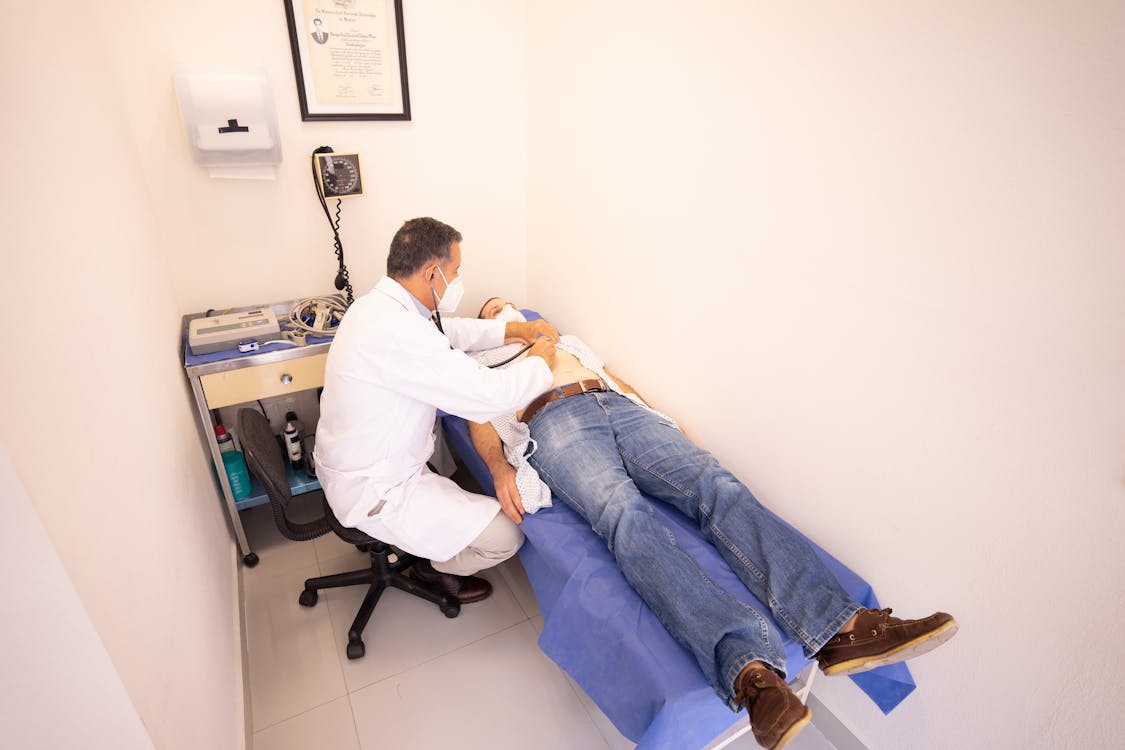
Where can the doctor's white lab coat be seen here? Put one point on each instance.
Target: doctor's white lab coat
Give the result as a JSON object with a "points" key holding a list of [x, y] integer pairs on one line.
{"points": [[388, 370]]}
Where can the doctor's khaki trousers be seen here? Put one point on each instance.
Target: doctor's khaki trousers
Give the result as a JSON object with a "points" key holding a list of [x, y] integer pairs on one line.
{"points": [[599, 452], [500, 540]]}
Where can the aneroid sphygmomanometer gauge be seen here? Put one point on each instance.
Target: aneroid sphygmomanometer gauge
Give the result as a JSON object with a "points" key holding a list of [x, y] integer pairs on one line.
{"points": [[339, 175]]}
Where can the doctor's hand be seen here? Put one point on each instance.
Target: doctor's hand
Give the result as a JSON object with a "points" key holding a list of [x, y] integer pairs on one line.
{"points": [[528, 332], [508, 494], [545, 348]]}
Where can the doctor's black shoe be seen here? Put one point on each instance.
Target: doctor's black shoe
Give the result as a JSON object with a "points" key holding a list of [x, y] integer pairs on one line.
{"points": [[465, 589], [879, 639], [776, 713]]}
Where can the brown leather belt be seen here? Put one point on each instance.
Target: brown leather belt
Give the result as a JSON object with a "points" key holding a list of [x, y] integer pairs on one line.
{"points": [[563, 391]]}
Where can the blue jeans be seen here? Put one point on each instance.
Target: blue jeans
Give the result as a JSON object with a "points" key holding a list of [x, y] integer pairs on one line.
{"points": [[599, 451]]}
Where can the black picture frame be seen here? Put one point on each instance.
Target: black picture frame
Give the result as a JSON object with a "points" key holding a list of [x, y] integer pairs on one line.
{"points": [[391, 69]]}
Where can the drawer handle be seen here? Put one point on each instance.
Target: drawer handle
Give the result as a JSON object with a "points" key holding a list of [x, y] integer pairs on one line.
{"points": [[286, 378]]}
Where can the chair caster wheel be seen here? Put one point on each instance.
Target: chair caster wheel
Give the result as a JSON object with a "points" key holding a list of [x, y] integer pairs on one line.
{"points": [[356, 649], [450, 607], [250, 560], [308, 598]]}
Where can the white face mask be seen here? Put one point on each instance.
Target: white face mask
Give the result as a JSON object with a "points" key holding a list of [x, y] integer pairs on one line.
{"points": [[509, 314], [454, 291]]}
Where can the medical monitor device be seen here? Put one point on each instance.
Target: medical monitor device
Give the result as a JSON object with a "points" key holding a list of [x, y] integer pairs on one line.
{"points": [[220, 332]]}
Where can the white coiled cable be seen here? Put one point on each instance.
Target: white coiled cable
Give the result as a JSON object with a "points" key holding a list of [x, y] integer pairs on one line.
{"points": [[332, 306]]}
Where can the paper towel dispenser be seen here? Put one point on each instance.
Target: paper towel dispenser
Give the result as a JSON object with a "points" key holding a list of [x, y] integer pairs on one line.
{"points": [[231, 121]]}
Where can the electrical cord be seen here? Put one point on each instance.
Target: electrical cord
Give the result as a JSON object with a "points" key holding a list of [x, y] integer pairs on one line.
{"points": [[342, 275]]}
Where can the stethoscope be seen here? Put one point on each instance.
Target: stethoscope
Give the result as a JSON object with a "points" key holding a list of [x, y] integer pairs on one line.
{"points": [[437, 322], [517, 355]]}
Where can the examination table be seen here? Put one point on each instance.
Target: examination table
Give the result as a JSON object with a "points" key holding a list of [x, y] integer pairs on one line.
{"points": [[607, 639]]}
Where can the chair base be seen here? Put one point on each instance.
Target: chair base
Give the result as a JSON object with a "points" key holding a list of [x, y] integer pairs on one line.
{"points": [[383, 572]]}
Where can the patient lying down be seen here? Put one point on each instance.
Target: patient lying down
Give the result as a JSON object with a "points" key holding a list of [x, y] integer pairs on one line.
{"points": [[593, 443]]}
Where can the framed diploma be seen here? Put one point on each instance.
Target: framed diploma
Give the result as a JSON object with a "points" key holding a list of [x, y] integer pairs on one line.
{"points": [[350, 59]]}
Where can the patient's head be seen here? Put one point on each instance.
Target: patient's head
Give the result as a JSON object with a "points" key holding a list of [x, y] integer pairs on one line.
{"points": [[491, 306], [498, 308]]}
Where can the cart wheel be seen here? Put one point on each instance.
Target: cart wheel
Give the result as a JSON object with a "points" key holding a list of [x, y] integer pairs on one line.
{"points": [[251, 560], [308, 598], [356, 649]]}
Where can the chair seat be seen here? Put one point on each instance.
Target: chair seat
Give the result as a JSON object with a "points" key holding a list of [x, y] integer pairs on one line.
{"points": [[347, 533]]}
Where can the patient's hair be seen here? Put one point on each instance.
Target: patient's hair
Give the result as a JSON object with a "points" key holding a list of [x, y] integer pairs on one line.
{"points": [[481, 313], [418, 242]]}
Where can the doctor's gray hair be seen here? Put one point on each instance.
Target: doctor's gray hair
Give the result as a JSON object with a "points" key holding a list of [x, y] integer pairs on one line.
{"points": [[418, 242]]}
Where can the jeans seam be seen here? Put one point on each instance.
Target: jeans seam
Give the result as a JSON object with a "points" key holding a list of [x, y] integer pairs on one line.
{"points": [[573, 503], [773, 661], [774, 605], [543, 470], [814, 645], [768, 656], [686, 492]]}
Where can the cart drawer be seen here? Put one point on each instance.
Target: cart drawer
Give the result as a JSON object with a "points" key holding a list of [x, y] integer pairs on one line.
{"points": [[263, 381]]}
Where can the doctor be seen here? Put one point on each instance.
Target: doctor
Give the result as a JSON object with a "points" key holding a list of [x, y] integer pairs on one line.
{"points": [[393, 363]]}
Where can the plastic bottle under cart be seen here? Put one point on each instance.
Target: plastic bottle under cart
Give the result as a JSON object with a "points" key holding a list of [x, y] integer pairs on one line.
{"points": [[293, 439], [234, 462]]}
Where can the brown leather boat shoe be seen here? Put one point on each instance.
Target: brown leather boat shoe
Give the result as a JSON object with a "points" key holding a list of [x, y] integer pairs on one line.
{"points": [[465, 589], [879, 639], [776, 713]]}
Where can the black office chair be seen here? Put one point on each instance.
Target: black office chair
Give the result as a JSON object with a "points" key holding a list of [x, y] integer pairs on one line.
{"points": [[388, 567]]}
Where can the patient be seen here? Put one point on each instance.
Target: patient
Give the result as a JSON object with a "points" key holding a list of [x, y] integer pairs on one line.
{"points": [[598, 447]]}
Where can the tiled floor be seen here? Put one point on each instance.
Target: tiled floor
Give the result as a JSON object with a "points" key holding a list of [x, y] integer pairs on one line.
{"points": [[426, 682]]}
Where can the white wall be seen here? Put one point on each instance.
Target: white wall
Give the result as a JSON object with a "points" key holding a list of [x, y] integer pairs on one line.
{"points": [[462, 159], [50, 647], [96, 412], [872, 256]]}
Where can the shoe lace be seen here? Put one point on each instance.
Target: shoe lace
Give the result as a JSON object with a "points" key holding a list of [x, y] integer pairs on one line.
{"points": [[886, 613], [750, 686], [850, 635]]}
